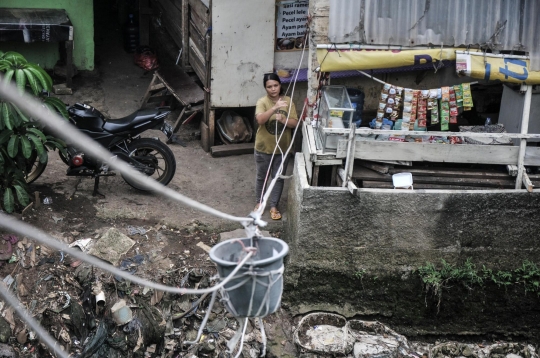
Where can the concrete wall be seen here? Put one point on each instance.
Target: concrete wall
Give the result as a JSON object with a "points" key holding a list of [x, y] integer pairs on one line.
{"points": [[357, 255], [80, 12]]}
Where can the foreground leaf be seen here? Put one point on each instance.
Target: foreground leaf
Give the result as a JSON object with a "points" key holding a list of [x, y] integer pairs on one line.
{"points": [[9, 200]]}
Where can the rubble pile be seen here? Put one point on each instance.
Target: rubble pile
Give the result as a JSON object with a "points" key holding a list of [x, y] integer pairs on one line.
{"points": [[92, 313]]}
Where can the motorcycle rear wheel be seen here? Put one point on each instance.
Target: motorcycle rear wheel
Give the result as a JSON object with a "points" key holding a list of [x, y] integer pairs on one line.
{"points": [[156, 156], [34, 168]]}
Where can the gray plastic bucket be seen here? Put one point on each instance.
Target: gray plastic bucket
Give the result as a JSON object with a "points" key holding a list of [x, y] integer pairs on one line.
{"points": [[249, 294]]}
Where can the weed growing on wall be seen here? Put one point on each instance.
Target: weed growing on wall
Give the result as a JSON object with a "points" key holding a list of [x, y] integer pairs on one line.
{"points": [[436, 279]]}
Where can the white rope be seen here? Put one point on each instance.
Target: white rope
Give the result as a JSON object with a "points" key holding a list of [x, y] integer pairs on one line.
{"points": [[25, 229], [257, 213], [23, 314], [373, 78], [273, 277], [70, 133], [203, 324]]}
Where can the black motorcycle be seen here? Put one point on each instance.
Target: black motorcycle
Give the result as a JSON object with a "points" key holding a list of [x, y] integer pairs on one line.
{"points": [[122, 138]]}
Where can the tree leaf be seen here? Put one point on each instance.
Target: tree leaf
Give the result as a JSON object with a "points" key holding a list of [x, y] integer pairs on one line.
{"points": [[13, 146], [22, 194], [4, 136], [43, 157], [9, 200], [34, 85], [8, 76], [14, 57], [20, 79], [42, 76], [38, 133], [26, 147], [2, 108], [56, 105], [21, 114], [38, 145], [6, 115]]}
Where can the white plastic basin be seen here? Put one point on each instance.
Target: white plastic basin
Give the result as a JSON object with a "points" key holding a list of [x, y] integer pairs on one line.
{"points": [[402, 180]]}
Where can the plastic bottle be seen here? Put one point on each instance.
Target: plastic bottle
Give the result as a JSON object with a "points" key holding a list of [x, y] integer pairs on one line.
{"points": [[131, 35]]}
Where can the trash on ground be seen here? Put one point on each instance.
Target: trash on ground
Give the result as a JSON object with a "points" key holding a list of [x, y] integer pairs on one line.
{"points": [[121, 313], [139, 230], [111, 246]]}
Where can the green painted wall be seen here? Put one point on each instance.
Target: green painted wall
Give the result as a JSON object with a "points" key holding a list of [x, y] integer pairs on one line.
{"points": [[81, 13]]}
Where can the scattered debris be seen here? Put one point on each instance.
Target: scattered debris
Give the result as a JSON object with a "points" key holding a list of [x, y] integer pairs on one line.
{"points": [[47, 200], [57, 219], [111, 246], [121, 313], [139, 230]]}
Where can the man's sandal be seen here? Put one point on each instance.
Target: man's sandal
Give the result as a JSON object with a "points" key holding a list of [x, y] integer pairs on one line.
{"points": [[275, 214]]}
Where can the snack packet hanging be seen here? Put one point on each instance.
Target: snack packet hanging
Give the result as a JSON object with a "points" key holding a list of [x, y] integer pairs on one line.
{"points": [[467, 96], [435, 115], [459, 95]]}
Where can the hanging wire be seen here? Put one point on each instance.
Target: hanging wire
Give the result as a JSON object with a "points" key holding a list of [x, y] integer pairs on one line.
{"points": [[28, 230], [266, 194], [65, 130], [70, 133], [44, 337]]}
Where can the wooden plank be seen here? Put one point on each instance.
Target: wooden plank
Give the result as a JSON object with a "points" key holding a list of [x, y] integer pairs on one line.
{"points": [[386, 185], [379, 168], [197, 39], [180, 84], [349, 161], [177, 123], [523, 142], [185, 33], [315, 179], [333, 178], [307, 154], [365, 132], [451, 172], [361, 173], [204, 137], [211, 126], [431, 152], [171, 18], [311, 141], [199, 14], [512, 170], [232, 149], [527, 182], [149, 89], [326, 162], [198, 64]]}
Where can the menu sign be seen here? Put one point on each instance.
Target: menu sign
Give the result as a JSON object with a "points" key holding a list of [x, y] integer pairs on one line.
{"points": [[291, 25]]}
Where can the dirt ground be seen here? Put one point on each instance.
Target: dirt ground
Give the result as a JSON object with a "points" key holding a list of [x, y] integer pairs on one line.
{"points": [[175, 238]]}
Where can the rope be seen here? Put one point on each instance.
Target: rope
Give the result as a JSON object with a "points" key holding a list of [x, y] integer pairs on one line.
{"points": [[23, 314], [266, 193], [27, 230], [68, 132]]}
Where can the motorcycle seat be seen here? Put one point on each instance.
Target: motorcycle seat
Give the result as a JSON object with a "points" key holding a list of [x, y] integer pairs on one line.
{"points": [[135, 119]]}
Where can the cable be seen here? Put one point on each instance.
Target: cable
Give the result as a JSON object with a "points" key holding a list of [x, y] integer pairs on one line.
{"points": [[28, 230], [70, 133], [23, 314], [266, 193]]}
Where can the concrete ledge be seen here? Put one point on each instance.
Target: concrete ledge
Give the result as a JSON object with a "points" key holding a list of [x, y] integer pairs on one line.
{"points": [[388, 234]]}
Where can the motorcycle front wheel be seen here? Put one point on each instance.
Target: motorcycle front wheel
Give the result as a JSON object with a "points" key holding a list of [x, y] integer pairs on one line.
{"points": [[34, 168], [153, 158]]}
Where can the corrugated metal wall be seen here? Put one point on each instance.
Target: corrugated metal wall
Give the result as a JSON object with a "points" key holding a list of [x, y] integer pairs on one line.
{"points": [[499, 24]]}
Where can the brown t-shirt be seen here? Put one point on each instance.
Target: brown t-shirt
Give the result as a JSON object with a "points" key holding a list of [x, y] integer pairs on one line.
{"points": [[269, 132]]}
